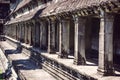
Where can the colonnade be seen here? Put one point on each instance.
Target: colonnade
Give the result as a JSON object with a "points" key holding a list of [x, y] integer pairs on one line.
{"points": [[43, 34]]}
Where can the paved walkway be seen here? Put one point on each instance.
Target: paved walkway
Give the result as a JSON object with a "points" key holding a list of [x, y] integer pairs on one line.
{"points": [[28, 69], [90, 69], [4, 65], [2, 69]]}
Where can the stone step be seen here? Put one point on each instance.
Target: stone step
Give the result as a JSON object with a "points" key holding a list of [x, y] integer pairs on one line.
{"points": [[26, 68], [58, 73]]}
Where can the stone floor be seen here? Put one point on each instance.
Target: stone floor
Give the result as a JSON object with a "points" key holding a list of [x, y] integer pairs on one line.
{"points": [[90, 69], [32, 72], [27, 67], [4, 66], [1, 64]]}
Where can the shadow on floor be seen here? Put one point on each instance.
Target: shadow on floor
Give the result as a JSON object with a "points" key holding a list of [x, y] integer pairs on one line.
{"points": [[24, 63], [14, 51]]}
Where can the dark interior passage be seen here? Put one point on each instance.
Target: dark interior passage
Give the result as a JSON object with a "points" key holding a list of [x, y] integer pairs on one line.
{"points": [[71, 38], [92, 38], [116, 40], [1, 29]]}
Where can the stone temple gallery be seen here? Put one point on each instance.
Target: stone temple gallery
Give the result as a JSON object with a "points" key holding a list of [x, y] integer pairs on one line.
{"points": [[68, 39]]}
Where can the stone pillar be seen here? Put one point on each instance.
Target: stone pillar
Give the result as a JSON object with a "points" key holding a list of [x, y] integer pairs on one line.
{"points": [[37, 34], [79, 42], [63, 42], [29, 35], [20, 33], [60, 39], [25, 33], [16, 32], [44, 35], [105, 66], [33, 33], [51, 36]]}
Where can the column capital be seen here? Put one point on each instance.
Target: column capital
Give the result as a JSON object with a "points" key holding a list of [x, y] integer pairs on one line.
{"points": [[75, 18], [109, 17]]}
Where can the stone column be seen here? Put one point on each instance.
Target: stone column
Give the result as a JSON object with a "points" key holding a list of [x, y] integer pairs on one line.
{"points": [[25, 33], [27, 29], [16, 32], [42, 39], [44, 35], [20, 32], [62, 41], [41, 35], [33, 33], [105, 66], [79, 44], [51, 36], [29, 34], [37, 34]]}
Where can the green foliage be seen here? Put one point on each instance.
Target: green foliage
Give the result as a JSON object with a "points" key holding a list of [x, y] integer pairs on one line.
{"points": [[1, 75]]}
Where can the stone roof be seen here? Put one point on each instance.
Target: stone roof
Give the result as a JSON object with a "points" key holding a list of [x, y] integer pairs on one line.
{"points": [[62, 6], [31, 15], [71, 5], [21, 4]]}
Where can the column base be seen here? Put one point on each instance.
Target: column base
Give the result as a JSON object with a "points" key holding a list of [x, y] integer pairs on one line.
{"points": [[22, 40], [51, 52], [79, 62], [107, 72], [60, 55]]}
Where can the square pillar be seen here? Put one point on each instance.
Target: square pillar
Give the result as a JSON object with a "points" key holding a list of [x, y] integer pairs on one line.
{"points": [[17, 32], [105, 66], [51, 37], [22, 33], [37, 34], [63, 42], [60, 39], [43, 35], [79, 42], [26, 33], [33, 33]]}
